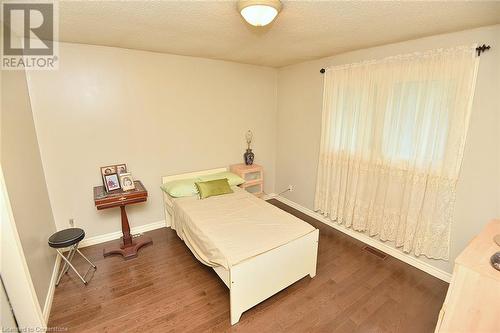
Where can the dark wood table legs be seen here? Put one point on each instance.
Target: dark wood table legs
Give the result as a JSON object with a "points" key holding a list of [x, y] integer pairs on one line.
{"points": [[130, 246]]}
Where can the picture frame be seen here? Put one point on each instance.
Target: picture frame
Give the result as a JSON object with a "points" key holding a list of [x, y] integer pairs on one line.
{"points": [[111, 182], [121, 168], [108, 170], [127, 181]]}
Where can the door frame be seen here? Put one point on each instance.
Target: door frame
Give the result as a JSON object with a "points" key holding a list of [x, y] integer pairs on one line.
{"points": [[14, 268]]}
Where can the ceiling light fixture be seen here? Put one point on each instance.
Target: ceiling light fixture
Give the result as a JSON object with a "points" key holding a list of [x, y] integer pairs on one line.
{"points": [[259, 12]]}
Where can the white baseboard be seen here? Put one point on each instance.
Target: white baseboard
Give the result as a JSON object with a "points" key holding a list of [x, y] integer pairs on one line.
{"points": [[87, 242], [117, 234], [268, 196], [394, 252], [50, 293]]}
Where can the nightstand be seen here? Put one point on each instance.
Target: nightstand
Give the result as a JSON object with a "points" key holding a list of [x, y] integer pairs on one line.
{"points": [[253, 176]]}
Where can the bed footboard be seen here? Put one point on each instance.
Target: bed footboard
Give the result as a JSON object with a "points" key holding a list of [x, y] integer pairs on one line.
{"points": [[258, 278]]}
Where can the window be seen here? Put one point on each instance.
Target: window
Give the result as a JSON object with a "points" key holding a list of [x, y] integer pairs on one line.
{"points": [[416, 121]]}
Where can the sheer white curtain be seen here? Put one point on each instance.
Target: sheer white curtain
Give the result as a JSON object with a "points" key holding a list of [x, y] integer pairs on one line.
{"points": [[392, 142]]}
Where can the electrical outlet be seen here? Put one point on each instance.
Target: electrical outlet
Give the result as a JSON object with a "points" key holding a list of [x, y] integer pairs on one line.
{"points": [[71, 222], [290, 188]]}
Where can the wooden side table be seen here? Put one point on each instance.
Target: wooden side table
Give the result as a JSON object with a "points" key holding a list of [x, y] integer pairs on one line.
{"points": [[253, 176], [473, 298], [120, 198]]}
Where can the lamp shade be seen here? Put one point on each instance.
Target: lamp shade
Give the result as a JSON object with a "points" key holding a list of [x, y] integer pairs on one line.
{"points": [[259, 12]]}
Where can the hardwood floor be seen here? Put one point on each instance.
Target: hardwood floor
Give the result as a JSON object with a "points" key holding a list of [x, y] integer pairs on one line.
{"points": [[166, 289]]}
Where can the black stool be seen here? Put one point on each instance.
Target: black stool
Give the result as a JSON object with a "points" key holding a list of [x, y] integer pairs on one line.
{"points": [[69, 238]]}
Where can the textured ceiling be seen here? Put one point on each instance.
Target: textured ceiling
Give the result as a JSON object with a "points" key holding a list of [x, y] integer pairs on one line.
{"points": [[304, 30]]}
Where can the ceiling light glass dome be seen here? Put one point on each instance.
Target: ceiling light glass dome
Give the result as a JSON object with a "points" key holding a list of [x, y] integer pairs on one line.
{"points": [[259, 12]]}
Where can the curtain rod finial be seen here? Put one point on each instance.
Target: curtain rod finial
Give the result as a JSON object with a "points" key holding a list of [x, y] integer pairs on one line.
{"points": [[482, 48], [322, 70]]}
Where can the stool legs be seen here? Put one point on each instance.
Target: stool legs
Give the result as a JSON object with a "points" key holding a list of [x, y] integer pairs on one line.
{"points": [[65, 266], [84, 257], [67, 263]]}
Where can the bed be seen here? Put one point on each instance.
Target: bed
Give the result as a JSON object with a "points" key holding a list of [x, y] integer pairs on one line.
{"points": [[255, 248]]}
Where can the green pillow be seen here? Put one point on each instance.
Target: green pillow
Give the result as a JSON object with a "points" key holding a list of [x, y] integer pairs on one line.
{"points": [[234, 180], [181, 188], [213, 187]]}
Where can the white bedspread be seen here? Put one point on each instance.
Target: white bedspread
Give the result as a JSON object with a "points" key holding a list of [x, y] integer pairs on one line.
{"points": [[227, 229]]}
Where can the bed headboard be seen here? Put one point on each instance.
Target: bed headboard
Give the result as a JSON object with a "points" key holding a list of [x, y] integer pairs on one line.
{"points": [[167, 200]]}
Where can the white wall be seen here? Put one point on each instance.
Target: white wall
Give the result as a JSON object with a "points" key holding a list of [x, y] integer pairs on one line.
{"points": [[161, 114], [299, 124], [25, 182]]}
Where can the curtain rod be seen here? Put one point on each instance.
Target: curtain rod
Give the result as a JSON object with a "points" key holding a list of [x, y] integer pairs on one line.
{"points": [[479, 49]]}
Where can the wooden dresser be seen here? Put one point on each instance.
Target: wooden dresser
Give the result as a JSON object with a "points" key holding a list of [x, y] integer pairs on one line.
{"points": [[472, 303]]}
